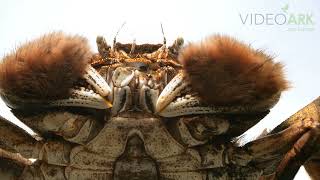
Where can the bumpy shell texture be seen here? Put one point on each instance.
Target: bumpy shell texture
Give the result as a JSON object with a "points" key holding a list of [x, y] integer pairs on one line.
{"points": [[45, 68], [224, 71]]}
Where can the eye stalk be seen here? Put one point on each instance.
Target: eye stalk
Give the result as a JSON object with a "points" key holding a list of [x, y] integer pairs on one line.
{"points": [[45, 72]]}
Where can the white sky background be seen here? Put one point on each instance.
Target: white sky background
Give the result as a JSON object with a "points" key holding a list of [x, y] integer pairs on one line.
{"points": [[24, 20]]}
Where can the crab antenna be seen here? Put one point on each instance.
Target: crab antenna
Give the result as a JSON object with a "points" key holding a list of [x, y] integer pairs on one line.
{"points": [[164, 37], [115, 37]]}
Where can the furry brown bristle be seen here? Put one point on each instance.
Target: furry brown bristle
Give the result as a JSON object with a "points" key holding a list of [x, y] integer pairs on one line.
{"points": [[224, 71], [45, 68]]}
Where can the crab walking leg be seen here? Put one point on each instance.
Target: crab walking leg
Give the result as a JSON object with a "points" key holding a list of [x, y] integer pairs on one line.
{"points": [[312, 111], [55, 155], [16, 140], [288, 146], [298, 155], [16, 157], [282, 141], [312, 166], [265, 153], [9, 168], [306, 150], [16, 147], [12, 141]]}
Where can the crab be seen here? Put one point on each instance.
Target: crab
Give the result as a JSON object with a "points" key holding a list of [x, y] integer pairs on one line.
{"points": [[149, 112]]}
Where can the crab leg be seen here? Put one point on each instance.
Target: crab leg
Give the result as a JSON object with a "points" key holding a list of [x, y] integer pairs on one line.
{"points": [[12, 163], [312, 166], [14, 144], [307, 145], [16, 147], [14, 139], [10, 166], [267, 150], [279, 142], [287, 147], [306, 149]]}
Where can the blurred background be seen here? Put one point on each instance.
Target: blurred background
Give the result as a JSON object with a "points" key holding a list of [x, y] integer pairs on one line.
{"points": [[273, 26]]}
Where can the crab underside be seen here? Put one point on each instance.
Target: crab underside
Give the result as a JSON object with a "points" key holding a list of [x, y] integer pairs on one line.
{"points": [[134, 113]]}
